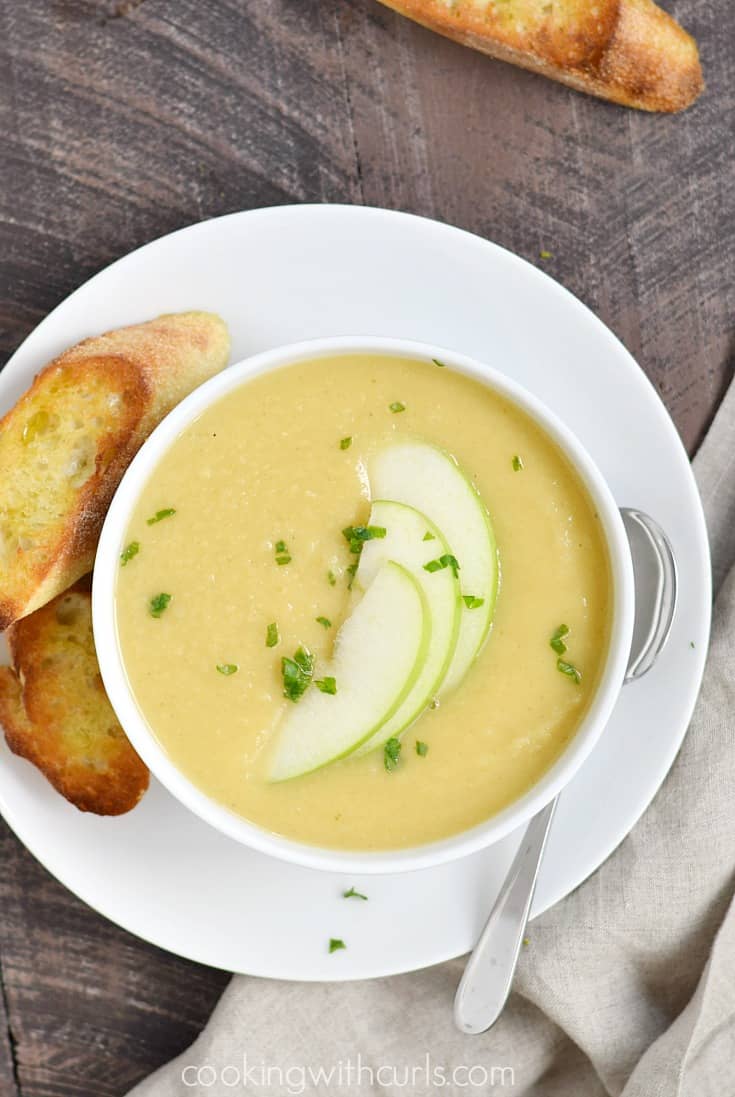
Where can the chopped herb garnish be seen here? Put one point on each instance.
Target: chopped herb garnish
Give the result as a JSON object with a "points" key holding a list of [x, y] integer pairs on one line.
{"points": [[397, 406], [436, 362], [158, 604], [545, 254], [345, 443], [422, 749], [570, 670], [331, 578], [435, 703], [391, 753], [557, 639], [227, 669], [428, 536], [517, 464], [129, 552], [445, 561], [326, 685], [335, 944], [283, 556], [358, 535], [692, 644], [352, 572], [323, 621], [352, 894], [297, 673], [271, 635], [472, 602], [160, 515]]}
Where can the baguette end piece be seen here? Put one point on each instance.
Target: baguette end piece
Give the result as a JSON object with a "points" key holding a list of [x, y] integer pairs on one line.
{"points": [[652, 63], [629, 52]]}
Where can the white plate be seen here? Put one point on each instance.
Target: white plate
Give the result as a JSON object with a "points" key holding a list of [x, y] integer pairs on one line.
{"points": [[284, 274]]}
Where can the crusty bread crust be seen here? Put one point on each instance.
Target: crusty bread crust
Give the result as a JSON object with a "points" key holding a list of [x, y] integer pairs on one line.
{"points": [[628, 51], [56, 714], [114, 389]]}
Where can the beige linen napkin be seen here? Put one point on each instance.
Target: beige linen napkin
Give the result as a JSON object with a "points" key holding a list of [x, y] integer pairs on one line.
{"points": [[627, 986]]}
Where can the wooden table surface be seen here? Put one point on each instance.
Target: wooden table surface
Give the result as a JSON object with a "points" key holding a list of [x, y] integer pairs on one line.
{"points": [[124, 120]]}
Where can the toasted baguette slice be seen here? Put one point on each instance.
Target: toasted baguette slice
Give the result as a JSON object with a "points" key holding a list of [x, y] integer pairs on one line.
{"points": [[628, 51], [56, 714], [66, 444]]}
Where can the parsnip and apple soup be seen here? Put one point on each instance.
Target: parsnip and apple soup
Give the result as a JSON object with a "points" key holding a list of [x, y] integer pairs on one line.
{"points": [[364, 602]]}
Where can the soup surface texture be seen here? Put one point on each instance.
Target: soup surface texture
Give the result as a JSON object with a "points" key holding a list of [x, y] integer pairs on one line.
{"points": [[262, 486]]}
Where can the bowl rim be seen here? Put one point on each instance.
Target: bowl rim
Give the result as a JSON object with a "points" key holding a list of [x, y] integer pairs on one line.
{"points": [[118, 689]]}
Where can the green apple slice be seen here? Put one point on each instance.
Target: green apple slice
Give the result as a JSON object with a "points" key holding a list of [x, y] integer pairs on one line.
{"points": [[430, 480], [378, 654], [413, 540]]}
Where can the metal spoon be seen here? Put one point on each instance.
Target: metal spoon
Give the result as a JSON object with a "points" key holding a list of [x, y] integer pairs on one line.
{"points": [[486, 982]]}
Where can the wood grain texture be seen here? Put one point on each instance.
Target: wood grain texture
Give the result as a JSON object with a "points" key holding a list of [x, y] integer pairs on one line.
{"points": [[8, 1064], [125, 119]]}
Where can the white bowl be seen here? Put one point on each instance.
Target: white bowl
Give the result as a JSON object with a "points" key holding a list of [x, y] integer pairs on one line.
{"points": [[136, 727]]}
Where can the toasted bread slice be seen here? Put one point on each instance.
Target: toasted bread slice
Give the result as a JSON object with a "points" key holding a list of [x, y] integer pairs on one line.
{"points": [[66, 444], [628, 51], [56, 714]]}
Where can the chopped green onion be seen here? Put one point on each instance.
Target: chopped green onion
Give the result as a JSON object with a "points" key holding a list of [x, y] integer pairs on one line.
{"points": [[445, 561], [422, 749], [472, 602], [271, 635], [438, 363], [227, 669], [335, 944], [297, 673], [158, 604], [365, 533], [397, 406], [323, 621], [326, 685], [358, 535], [570, 670], [517, 464], [283, 556], [160, 515], [428, 536], [352, 894], [557, 639], [331, 578], [129, 552], [345, 443], [391, 753], [352, 572]]}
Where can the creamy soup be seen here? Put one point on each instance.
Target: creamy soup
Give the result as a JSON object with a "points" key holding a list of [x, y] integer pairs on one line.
{"points": [[235, 557]]}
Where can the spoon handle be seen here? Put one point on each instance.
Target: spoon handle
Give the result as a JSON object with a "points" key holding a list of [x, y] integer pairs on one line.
{"points": [[486, 982]]}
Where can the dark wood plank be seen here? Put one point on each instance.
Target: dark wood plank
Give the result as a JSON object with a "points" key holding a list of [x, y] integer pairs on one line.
{"points": [[119, 129], [8, 1071], [124, 119]]}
